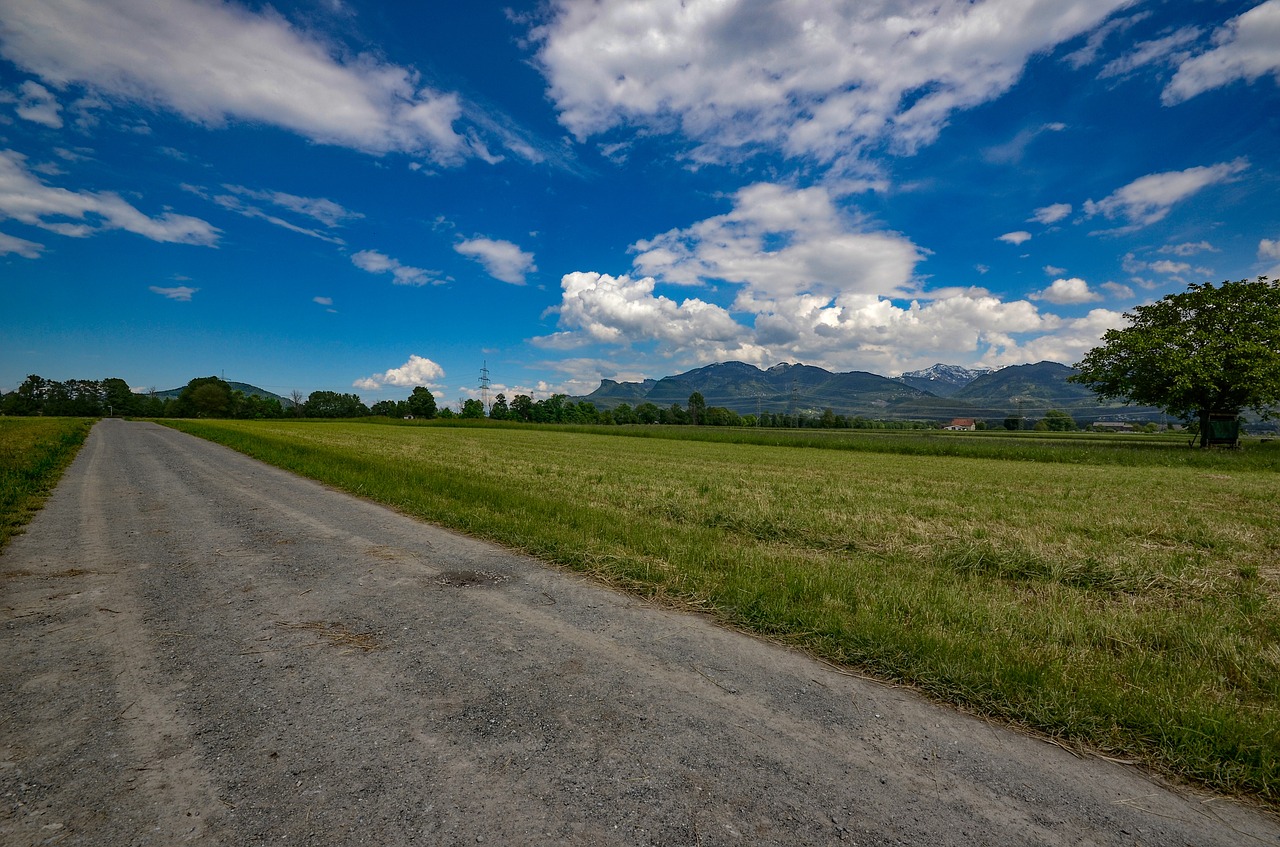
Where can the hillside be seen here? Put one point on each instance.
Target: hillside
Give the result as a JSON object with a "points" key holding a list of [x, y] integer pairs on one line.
{"points": [[747, 389], [243, 387], [1033, 389], [1025, 390]]}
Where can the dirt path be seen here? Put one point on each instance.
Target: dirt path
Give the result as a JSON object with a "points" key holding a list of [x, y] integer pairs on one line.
{"points": [[186, 659]]}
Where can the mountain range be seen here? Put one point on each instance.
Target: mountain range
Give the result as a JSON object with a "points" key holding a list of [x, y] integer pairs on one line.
{"points": [[940, 392]]}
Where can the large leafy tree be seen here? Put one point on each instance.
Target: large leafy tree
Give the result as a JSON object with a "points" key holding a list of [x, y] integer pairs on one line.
{"points": [[422, 403], [1210, 350]]}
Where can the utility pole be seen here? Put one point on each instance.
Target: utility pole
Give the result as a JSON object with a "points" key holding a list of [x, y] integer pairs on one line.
{"points": [[484, 386]]}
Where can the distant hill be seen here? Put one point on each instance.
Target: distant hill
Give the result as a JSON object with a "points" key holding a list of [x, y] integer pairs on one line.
{"points": [[957, 392], [747, 389], [943, 380], [243, 387]]}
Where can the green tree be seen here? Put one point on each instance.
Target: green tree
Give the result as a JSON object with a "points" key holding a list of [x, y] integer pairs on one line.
{"points": [[522, 408], [500, 411], [422, 403], [647, 413], [1056, 420], [1210, 350], [1012, 423], [331, 404], [697, 408], [204, 397], [472, 408]]}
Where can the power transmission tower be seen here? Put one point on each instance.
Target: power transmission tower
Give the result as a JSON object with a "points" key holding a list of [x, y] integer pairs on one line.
{"points": [[484, 386]]}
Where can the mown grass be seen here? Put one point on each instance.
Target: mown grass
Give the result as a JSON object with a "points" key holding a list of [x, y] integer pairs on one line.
{"points": [[1090, 448], [1129, 608], [33, 454]]}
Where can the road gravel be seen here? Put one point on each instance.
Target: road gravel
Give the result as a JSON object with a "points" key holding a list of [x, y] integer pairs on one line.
{"points": [[202, 649]]}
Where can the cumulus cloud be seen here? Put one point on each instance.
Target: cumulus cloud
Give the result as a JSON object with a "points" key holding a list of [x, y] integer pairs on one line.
{"points": [[1117, 290], [1269, 248], [1065, 292], [781, 242], [25, 198], [622, 310], [215, 62], [379, 263], [1015, 238], [1148, 199], [1165, 266], [417, 371], [38, 104], [1245, 49], [1051, 214], [811, 78], [501, 259], [19, 246], [181, 293], [806, 283]]}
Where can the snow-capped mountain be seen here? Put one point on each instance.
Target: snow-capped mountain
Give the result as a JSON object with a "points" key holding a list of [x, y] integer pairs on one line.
{"points": [[943, 380]]}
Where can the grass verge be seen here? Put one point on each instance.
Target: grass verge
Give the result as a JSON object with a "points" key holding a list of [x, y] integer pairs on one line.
{"points": [[33, 454], [1129, 608]]}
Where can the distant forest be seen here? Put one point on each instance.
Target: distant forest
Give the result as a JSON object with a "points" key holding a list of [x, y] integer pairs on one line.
{"points": [[212, 397]]}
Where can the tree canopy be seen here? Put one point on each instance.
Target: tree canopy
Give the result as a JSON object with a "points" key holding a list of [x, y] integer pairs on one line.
{"points": [[1210, 350]]}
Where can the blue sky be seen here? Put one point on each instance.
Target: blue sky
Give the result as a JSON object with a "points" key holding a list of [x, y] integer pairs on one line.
{"points": [[368, 196]]}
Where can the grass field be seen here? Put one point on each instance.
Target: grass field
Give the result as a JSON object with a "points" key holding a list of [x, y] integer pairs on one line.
{"points": [[1126, 600], [33, 454]]}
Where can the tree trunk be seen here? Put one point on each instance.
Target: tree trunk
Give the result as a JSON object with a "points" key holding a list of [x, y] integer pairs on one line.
{"points": [[1205, 429]]}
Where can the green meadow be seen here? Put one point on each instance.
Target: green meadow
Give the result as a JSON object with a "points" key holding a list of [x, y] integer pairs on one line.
{"points": [[1117, 595], [33, 454]]}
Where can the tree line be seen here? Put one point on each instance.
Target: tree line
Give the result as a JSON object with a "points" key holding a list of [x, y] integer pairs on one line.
{"points": [[212, 397]]}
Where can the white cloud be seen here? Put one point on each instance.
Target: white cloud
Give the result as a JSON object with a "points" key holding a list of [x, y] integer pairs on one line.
{"points": [[20, 246], [324, 211], [1269, 248], [1015, 238], [413, 373], [181, 293], [780, 242], [1247, 48], [1116, 290], [214, 62], [1148, 199], [1166, 50], [808, 283], [323, 301], [1013, 150], [622, 310], [39, 105], [1052, 214], [377, 263], [1087, 54], [1068, 343], [1067, 292], [1164, 266], [25, 198], [501, 259], [812, 78], [1053, 270], [1189, 248]]}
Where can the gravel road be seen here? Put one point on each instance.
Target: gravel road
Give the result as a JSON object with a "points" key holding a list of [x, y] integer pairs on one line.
{"points": [[202, 649]]}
